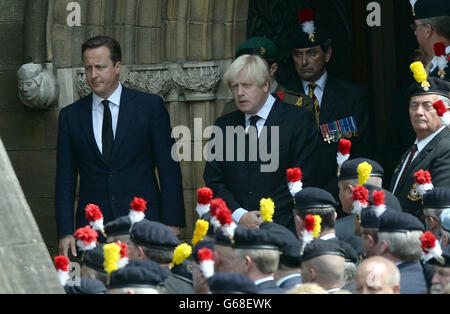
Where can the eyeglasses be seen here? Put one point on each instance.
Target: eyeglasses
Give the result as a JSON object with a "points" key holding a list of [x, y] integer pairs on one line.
{"points": [[414, 26]]}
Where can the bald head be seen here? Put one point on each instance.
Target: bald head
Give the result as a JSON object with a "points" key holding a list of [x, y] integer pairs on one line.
{"points": [[325, 270], [377, 275]]}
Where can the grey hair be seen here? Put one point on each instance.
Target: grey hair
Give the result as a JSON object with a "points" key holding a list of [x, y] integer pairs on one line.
{"points": [[265, 260], [441, 24], [350, 271], [405, 246]]}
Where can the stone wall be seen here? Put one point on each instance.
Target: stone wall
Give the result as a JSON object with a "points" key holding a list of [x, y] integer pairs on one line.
{"points": [[179, 37]]}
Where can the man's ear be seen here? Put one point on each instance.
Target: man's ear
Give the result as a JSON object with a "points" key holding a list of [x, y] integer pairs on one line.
{"points": [[383, 247], [328, 54], [273, 69], [312, 274], [141, 254]]}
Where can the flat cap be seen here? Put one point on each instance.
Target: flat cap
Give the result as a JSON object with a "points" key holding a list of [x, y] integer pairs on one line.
{"points": [[349, 169], [152, 234], [231, 283], [310, 197]]}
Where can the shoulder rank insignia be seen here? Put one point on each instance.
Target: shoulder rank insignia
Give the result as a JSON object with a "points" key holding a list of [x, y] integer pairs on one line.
{"points": [[413, 194], [300, 102]]}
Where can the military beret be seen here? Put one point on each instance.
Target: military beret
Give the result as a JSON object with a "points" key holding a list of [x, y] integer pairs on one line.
{"points": [[119, 226], [152, 266], [446, 258], [309, 198], [152, 234], [258, 239], [137, 277], [202, 245], [445, 220], [87, 286], [231, 283], [94, 258], [258, 46], [437, 198], [221, 239], [349, 169], [369, 218], [351, 255], [300, 40], [290, 247], [438, 87], [393, 221], [431, 8], [183, 271], [391, 200], [318, 247]]}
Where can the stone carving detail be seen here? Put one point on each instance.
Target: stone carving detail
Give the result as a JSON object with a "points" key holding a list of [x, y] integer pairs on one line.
{"points": [[195, 81], [38, 87]]}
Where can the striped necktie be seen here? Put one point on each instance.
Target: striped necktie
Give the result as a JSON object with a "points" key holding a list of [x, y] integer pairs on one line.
{"points": [[311, 95]]}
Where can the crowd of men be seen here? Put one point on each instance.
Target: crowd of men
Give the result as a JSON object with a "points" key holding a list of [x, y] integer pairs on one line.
{"points": [[261, 232]]}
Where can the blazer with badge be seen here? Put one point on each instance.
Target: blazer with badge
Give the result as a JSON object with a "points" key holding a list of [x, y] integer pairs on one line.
{"points": [[242, 184], [142, 142], [341, 101], [435, 157]]}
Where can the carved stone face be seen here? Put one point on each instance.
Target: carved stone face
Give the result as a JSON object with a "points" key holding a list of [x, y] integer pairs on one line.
{"points": [[29, 89]]}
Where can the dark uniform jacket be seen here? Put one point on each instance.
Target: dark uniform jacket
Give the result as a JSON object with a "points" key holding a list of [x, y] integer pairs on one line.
{"points": [[412, 280], [269, 287]]}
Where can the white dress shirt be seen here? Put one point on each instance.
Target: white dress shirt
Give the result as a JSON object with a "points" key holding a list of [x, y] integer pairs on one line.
{"points": [[318, 91], [97, 114]]}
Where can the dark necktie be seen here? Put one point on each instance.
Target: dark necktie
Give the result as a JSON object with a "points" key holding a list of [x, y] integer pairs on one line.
{"points": [[107, 132], [311, 95], [253, 121], [408, 163]]}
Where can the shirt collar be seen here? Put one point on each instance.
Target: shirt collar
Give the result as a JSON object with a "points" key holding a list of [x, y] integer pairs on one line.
{"points": [[282, 280], [263, 113], [320, 83], [421, 144], [328, 236], [260, 281], [114, 98]]}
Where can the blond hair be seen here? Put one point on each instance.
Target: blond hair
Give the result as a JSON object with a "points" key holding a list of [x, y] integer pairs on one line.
{"points": [[256, 70]]}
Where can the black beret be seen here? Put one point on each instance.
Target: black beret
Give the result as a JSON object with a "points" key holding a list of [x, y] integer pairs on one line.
{"points": [[319, 247], [183, 271], [369, 219], [258, 239], [349, 169], [152, 266], [431, 8], [393, 221], [445, 220], [258, 46], [137, 277], [119, 226], [290, 247], [437, 198], [438, 87], [152, 234], [300, 40], [231, 283], [87, 286], [202, 245], [391, 200], [351, 255], [221, 239], [445, 256], [309, 198], [94, 258]]}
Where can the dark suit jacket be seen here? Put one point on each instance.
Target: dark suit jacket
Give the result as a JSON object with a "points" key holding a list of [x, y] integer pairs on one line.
{"points": [[435, 157], [142, 143], [412, 280], [269, 287], [341, 99], [242, 184]]}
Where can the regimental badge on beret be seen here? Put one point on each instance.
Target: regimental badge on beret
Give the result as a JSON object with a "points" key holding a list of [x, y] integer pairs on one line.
{"points": [[413, 194], [344, 128], [262, 51]]}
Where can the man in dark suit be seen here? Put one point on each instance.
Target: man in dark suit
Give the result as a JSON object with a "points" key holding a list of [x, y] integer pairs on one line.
{"points": [[431, 150], [340, 107], [243, 169], [113, 139]]}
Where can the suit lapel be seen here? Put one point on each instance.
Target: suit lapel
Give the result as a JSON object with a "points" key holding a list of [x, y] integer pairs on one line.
{"points": [[329, 102], [87, 125], [126, 112], [274, 119]]}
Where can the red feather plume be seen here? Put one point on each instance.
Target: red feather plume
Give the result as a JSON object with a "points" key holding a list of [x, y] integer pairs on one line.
{"points": [[205, 254], [378, 198], [93, 212], [305, 15], [123, 249], [216, 205], [62, 263], [139, 204], [440, 108], [86, 234], [309, 222], [345, 146], [224, 216], [439, 49], [294, 174], [360, 193], [428, 241], [422, 177], [204, 196]]}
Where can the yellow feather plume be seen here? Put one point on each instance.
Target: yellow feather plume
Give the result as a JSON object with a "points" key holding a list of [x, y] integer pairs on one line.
{"points": [[181, 252], [111, 253], [420, 74], [364, 170], [317, 226], [267, 208], [201, 229]]}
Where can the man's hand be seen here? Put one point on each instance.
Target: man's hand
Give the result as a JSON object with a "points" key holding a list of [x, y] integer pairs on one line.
{"points": [[66, 243], [175, 230], [251, 220]]}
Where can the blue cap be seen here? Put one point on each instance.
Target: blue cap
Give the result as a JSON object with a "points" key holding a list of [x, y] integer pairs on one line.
{"points": [[87, 286], [289, 246], [309, 198], [445, 220], [393, 221], [231, 283], [152, 234], [119, 226]]}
